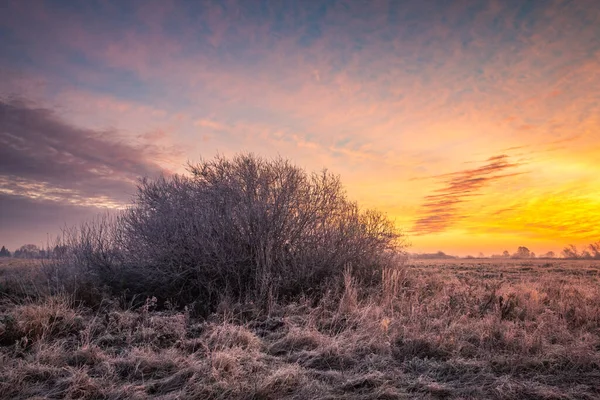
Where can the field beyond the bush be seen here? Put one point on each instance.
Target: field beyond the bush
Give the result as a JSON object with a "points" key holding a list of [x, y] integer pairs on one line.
{"points": [[455, 329]]}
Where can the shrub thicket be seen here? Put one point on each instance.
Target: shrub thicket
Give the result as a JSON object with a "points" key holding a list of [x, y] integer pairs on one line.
{"points": [[246, 227]]}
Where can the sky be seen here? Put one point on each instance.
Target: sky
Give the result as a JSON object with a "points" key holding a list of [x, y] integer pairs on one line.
{"points": [[475, 125]]}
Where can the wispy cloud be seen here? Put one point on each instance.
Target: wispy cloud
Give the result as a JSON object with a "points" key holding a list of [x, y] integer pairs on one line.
{"points": [[442, 210]]}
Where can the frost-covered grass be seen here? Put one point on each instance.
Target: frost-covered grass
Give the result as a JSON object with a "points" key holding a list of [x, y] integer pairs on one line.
{"points": [[452, 329]]}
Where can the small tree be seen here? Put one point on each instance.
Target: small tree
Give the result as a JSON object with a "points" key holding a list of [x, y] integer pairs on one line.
{"points": [[571, 252], [549, 254], [28, 251], [522, 252], [586, 255], [4, 252]]}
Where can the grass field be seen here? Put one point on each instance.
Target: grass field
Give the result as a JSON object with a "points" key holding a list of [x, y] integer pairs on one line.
{"points": [[458, 329]]}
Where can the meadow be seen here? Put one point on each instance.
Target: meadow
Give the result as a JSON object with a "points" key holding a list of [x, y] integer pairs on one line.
{"points": [[443, 329]]}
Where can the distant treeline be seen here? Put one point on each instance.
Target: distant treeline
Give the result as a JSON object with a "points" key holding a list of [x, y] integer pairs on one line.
{"points": [[571, 252], [590, 252], [440, 255], [31, 251]]}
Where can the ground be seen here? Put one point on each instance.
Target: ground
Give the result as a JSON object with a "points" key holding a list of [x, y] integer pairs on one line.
{"points": [[458, 329]]}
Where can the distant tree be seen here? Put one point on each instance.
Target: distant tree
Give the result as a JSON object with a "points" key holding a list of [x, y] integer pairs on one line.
{"points": [[570, 252], [438, 255], [28, 251], [522, 252], [505, 254], [59, 250], [549, 254], [481, 255], [4, 252]]}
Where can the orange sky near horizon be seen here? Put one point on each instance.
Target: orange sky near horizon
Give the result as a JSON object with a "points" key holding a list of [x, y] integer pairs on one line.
{"points": [[474, 124]]}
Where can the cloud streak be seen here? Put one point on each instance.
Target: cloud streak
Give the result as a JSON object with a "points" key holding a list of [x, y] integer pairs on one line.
{"points": [[443, 209], [44, 157]]}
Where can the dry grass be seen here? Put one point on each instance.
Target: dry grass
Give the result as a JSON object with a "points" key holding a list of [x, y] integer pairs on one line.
{"points": [[456, 330]]}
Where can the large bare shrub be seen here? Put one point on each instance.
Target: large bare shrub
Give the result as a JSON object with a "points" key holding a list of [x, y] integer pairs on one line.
{"points": [[247, 227]]}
